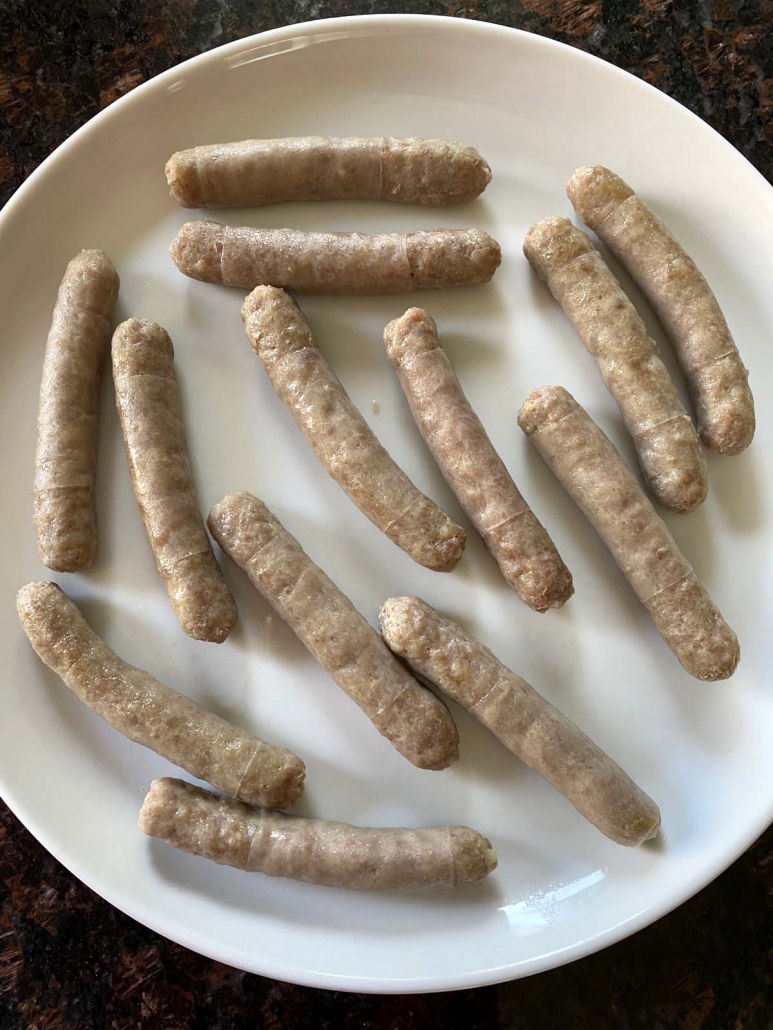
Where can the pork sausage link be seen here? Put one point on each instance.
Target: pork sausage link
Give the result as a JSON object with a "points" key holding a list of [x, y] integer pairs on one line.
{"points": [[327, 623], [608, 494], [334, 262], [609, 326], [683, 300], [313, 850], [526, 555], [527, 724], [154, 434], [65, 458], [150, 713], [268, 171]]}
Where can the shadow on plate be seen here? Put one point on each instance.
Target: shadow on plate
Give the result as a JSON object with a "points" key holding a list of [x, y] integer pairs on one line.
{"points": [[735, 483]]}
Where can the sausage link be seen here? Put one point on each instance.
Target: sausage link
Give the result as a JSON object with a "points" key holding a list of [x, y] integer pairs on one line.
{"points": [[150, 713], [527, 724], [608, 494], [327, 623], [268, 171], [526, 555], [313, 850], [65, 459], [683, 300], [334, 262], [341, 438], [154, 434], [609, 326]]}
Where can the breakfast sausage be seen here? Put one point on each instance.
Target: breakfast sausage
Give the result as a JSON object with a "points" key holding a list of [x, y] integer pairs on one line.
{"points": [[608, 494], [154, 434], [334, 262], [526, 555], [268, 171], [683, 300], [327, 623], [340, 437], [313, 850], [609, 326], [527, 724], [65, 459], [150, 713]]}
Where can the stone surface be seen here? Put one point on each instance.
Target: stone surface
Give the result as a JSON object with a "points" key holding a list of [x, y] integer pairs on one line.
{"points": [[68, 961], [63, 60]]}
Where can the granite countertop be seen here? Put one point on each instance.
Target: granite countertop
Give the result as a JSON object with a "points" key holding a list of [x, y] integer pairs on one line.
{"points": [[68, 961]]}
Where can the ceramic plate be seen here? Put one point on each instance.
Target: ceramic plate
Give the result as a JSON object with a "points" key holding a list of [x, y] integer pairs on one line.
{"points": [[536, 110]]}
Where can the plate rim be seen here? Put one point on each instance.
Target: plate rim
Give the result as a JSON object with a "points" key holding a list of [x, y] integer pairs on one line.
{"points": [[185, 936]]}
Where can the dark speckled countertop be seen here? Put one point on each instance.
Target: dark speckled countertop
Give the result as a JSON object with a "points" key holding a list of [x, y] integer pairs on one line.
{"points": [[68, 961]]}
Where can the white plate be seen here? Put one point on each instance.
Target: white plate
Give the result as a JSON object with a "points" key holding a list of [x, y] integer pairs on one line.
{"points": [[536, 110]]}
